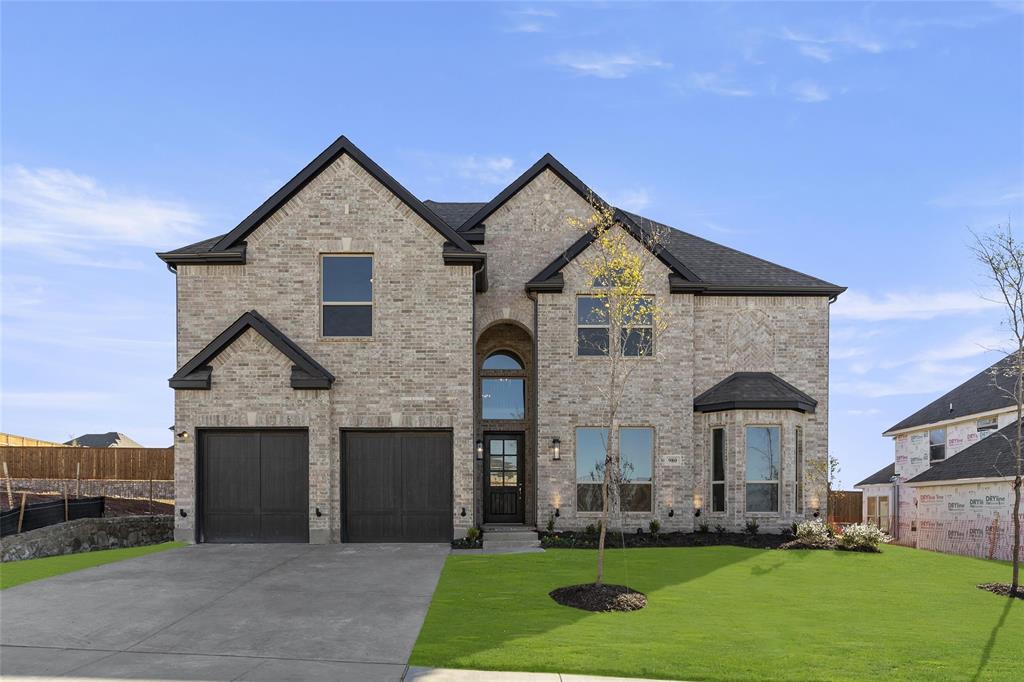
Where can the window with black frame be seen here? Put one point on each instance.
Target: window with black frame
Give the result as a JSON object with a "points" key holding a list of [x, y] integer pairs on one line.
{"points": [[347, 295], [718, 470], [503, 387]]}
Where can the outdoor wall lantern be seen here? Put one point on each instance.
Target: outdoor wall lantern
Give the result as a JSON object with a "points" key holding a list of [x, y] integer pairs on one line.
{"points": [[556, 448], [183, 513], [318, 512], [479, 450], [558, 512], [671, 513], [463, 512], [696, 505], [183, 435]]}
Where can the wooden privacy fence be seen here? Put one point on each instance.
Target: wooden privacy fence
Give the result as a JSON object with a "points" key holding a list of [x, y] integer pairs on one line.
{"points": [[845, 506], [123, 464]]}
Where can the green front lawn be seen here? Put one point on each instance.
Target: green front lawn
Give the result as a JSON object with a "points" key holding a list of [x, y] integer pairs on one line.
{"points": [[730, 613], [17, 572]]}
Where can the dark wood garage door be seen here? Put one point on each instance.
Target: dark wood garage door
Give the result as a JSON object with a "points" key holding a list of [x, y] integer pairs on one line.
{"points": [[254, 486], [397, 486]]}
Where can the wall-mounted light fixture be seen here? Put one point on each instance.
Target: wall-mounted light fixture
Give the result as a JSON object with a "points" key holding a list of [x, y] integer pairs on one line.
{"points": [[463, 512], [558, 512], [671, 513], [697, 504], [556, 448], [183, 435], [479, 450], [817, 513], [318, 512], [183, 513]]}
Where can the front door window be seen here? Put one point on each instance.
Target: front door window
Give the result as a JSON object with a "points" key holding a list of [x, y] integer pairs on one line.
{"points": [[504, 478]]}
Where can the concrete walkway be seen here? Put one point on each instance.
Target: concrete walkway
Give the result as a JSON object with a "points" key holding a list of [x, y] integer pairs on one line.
{"points": [[225, 612]]}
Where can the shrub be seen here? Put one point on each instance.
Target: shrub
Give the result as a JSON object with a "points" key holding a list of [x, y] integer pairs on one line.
{"points": [[862, 537], [473, 534], [752, 527], [703, 528], [812, 530], [551, 522], [654, 526], [720, 529], [590, 530]]}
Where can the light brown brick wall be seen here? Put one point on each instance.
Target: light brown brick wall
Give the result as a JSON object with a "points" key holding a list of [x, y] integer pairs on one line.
{"points": [[414, 372]]}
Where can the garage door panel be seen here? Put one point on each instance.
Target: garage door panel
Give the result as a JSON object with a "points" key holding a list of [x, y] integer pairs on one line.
{"points": [[397, 486], [255, 486]]}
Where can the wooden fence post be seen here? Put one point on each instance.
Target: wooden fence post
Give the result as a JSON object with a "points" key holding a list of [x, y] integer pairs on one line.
{"points": [[151, 494], [21, 514], [66, 502], [10, 495], [78, 479]]}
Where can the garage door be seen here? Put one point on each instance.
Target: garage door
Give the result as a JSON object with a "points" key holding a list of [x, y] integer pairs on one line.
{"points": [[254, 486], [397, 486]]}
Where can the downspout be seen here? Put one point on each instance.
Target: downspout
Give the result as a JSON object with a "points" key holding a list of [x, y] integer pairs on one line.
{"points": [[532, 295], [895, 529], [477, 517]]}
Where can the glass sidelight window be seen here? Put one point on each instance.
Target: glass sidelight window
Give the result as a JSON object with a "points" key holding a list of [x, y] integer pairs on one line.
{"points": [[718, 470]]}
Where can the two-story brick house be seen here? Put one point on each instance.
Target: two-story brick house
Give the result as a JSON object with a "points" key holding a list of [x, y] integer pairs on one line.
{"points": [[360, 365]]}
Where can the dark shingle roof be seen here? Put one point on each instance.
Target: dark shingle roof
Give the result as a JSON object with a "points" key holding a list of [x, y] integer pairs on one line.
{"points": [[717, 264], [110, 439], [199, 247], [753, 390], [977, 394], [991, 457], [455, 213], [883, 475]]}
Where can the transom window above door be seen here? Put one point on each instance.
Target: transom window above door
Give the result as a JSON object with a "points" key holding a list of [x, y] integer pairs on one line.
{"points": [[346, 295]]}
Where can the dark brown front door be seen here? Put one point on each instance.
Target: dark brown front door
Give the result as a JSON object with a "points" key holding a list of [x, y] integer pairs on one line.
{"points": [[503, 477]]}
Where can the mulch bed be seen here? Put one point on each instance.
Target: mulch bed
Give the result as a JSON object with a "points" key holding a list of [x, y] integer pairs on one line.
{"points": [[113, 506], [1002, 589], [578, 540], [594, 597]]}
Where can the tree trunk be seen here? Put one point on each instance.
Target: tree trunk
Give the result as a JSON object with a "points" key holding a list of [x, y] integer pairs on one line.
{"points": [[605, 502], [1016, 535]]}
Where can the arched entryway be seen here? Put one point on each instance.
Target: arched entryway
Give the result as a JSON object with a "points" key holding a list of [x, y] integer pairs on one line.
{"points": [[507, 471]]}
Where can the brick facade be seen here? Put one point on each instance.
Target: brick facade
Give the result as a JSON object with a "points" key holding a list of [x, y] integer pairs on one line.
{"points": [[431, 331]]}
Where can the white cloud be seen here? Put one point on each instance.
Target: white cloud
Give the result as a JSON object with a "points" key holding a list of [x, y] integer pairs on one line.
{"points": [[633, 199], [536, 12], [921, 378], [869, 412], [848, 37], [608, 65], [70, 218], [817, 52], [487, 170], [908, 306], [809, 91], [716, 85], [527, 27]]}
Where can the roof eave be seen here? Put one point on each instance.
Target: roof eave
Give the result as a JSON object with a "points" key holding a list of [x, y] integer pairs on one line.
{"points": [[726, 405], [233, 256]]}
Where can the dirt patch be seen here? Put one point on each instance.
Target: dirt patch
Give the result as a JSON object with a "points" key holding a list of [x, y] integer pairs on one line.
{"points": [[1002, 589], [594, 597], [113, 506]]}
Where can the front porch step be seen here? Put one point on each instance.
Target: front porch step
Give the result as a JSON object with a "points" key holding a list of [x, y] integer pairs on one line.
{"points": [[520, 536]]}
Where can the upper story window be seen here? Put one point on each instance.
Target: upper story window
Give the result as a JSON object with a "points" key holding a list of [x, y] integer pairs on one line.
{"points": [[502, 360], [936, 445], [503, 387], [593, 335], [347, 295], [763, 461], [987, 425]]}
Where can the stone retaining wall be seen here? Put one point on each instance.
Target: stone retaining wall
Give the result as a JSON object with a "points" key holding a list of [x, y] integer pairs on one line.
{"points": [[162, 490], [86, 535]]}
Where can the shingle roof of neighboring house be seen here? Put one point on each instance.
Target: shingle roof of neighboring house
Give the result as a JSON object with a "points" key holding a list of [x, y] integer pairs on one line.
{"points": [[977, 394], [306, 373], [111, 439], [883, 475], [754, 391], [991, 457]]}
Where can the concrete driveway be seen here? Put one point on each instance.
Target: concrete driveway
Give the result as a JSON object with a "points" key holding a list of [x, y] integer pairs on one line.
{"points": [[226, 612]]}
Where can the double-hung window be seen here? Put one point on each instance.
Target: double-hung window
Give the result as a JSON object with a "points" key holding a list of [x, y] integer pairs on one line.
{"points": [[987, 425], [718, 470], [347, 295], [763, 460], [936, 445], [593, 327], [636, 459]]}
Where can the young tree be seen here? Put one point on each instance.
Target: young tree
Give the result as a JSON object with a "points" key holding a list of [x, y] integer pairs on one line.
{"points": [[624, 323], [1002, 257]]}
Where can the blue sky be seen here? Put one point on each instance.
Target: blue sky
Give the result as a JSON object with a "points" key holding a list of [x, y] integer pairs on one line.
{"points": [[855, 142]]}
